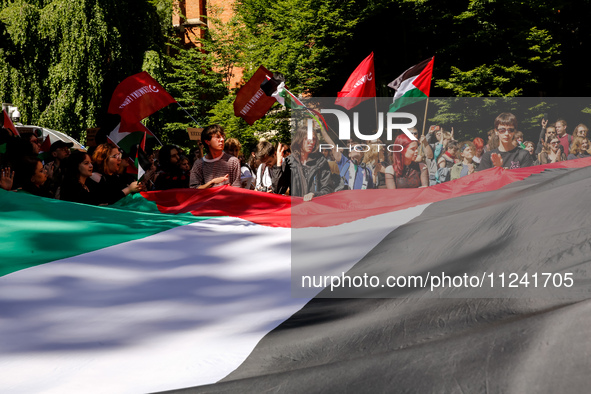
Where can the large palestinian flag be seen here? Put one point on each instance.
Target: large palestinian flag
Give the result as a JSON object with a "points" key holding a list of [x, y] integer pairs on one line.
{"points": [[192, 290], [413, 85]]}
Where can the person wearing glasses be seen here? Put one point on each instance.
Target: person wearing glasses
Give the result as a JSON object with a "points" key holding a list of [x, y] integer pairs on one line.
{"points": [[112, 187], [552, 153], [506, 155]]}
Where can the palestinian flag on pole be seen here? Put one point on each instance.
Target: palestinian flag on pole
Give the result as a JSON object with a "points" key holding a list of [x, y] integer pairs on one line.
{"points": [[189, 289], [413, 85], [127, 135], [275, 87], [140, 158]]}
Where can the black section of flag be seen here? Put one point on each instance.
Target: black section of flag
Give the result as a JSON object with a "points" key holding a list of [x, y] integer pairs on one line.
{"points": [[270, 85], [411, 72], [454, 344]]}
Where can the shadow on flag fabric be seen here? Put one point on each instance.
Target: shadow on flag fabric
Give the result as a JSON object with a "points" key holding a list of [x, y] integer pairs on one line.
{"points": [[138, 97], [251, 102], [157, 294], [360, 86], [8, 125], [413, 85]]}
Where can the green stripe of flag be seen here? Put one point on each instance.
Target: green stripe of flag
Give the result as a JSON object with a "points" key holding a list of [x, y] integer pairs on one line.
{"points": [[36, 230], [410, 97]]}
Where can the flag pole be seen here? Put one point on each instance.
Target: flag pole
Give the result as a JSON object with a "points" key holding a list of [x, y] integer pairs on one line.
{"points": [[424, 124], [153, 135], [183, 108], [375, 101], [425, 118]]}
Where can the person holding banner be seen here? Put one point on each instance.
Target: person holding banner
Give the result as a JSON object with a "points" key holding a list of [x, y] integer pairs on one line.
{"points": [[217, 168]]}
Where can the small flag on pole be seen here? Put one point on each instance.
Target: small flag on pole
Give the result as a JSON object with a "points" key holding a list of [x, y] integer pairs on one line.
{"points": [[413, 85]]}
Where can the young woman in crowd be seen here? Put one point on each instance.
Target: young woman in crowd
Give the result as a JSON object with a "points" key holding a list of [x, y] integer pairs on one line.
{"points": [[106, 161], [552, 153], [405, 173], [580, 131], [31, 177], [547, 135], [479, 149], [170, 175], [580, 148], [77, 187]]}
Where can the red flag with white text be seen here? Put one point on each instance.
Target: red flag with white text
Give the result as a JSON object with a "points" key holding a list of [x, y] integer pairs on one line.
{"points": [[137, 97], [360, 86], [251, 102]]}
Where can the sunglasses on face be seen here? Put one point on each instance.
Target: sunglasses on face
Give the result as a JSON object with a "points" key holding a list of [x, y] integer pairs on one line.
{"points": [[117, 156], [503, 130]]}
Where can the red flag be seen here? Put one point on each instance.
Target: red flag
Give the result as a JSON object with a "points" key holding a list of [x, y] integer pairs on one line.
{"points": [[251, 102], [137, 97], [360, 86], [46, 145], [8, 125]]}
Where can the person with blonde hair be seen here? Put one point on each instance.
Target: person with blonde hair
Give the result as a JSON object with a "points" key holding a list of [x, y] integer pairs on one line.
{"points": [[112, 187], [580, 131], [580, 148]]}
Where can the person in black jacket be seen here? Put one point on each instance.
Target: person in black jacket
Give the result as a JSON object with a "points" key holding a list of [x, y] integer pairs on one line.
{"points": [[304, 173]]}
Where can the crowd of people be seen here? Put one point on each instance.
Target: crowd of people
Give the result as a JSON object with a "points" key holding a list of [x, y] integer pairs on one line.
{"points": [[102, 176]]}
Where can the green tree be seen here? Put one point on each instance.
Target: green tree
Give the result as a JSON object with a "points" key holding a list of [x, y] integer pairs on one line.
{"points": [[60, 60]]}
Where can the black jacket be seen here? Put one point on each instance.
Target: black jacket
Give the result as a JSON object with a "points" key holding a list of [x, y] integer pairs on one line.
{"points": [[312, 177]]}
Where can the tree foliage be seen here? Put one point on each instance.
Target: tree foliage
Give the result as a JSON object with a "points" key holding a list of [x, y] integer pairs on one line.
{"points": [[60, 60]]}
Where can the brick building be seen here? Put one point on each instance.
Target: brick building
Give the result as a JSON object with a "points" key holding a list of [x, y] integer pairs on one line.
{"points": [[190, 27]]}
